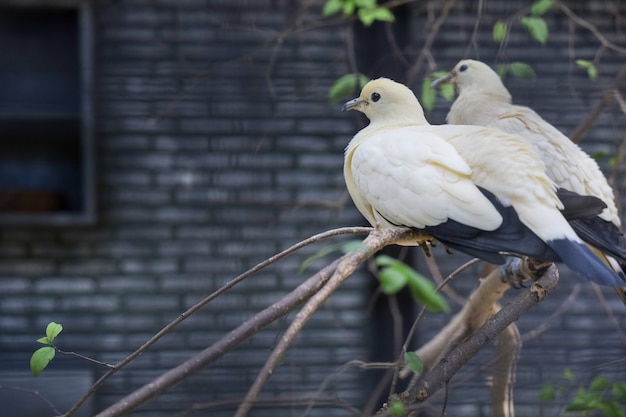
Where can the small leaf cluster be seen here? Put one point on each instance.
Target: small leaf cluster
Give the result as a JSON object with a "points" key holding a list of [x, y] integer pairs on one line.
{"points": [[516, 69], [344, 247], [395, 275], [588, 66], [42, 356], [534, 23], [428, 96], [601, 395], [346, 86], [368, 11]]}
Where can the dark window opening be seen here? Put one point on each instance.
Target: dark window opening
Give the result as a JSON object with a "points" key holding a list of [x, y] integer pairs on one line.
{"points": [[45, 132]]}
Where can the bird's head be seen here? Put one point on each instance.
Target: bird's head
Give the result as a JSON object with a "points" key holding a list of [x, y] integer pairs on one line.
{"points": [[384, 100], [470, 74]]}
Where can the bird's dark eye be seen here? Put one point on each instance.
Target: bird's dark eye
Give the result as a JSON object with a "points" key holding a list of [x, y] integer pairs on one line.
{"points": [[375, 97], [463, 68]]}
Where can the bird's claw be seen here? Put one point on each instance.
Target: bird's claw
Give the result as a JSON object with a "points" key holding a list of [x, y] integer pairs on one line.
{"points": [[518, 272]]}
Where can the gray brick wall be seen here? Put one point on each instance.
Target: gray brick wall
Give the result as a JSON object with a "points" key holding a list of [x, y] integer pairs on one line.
{"points": [[215, 149]]}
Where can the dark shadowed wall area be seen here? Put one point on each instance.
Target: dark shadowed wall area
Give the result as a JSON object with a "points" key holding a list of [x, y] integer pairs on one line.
{"points": [[215, 147]]}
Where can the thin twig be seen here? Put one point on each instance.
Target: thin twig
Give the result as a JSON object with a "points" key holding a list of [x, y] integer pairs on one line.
{"points": [[87, 358], [260, 320], [415, 69], [202, 303], [346, 266], [34, 392], [587, 123], [590, 27], [327, 400]]}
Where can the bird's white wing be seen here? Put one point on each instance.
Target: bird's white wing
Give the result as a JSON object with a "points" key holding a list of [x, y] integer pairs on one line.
{"points": [[566, 164], [411, 177]]}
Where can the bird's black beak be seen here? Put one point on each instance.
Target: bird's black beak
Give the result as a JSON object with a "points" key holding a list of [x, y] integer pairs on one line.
{"points": [[444, 80], [349, 105]]}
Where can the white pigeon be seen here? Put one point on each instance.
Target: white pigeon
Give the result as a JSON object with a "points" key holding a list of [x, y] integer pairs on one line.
{"points": [[491, 200], [484, 100]]}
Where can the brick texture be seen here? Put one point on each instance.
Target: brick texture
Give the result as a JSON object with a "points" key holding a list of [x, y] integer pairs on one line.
{"points": [[217, 149]]}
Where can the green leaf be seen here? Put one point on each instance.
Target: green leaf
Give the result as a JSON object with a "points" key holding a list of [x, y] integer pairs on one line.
{"points": [[385, 260], [619, 391], [540, 7], [365, 4], [346, 86], [53, 331], [392, 280], [568, 375], [332, 7], [447, 91], [423, 291], [428, 95], [600, 384], [43, 341], [599, 154], [352, 246], [517, 69], [521, 70], [397, 409], [40, 359], [317, 255], [592, 71], [613, 409], [414, 362], [584, 401], [369, 15], [547, 393], [348, 8], [500, 30], [537, 28], [421, 288]]}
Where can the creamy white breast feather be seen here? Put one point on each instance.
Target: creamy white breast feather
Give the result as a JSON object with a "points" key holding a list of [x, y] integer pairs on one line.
{"points": [[414, 178]]}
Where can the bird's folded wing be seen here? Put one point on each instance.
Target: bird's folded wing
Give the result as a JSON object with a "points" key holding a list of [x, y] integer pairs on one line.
{"points": [[416, 179]]}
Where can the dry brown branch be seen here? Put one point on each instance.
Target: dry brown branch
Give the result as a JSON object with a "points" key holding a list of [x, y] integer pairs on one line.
{"points": [[222, 346], [345, 267], [440, 374], [211, 297], [286, 402], [508, 347], [413, 72], [481, 305], [315, 284], [590, 27], [496, 324]]}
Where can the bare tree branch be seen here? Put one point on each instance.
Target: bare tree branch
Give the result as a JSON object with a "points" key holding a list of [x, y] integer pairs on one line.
{"points": [[455, 359], [590, 27], [211, 297], [508, 347], [317, 283], [412, 73], [222, 346], [347, 264]]}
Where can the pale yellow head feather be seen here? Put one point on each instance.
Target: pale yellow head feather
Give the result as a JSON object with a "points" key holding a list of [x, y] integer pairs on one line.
{"points": [[385, 101], [470, 75]]}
